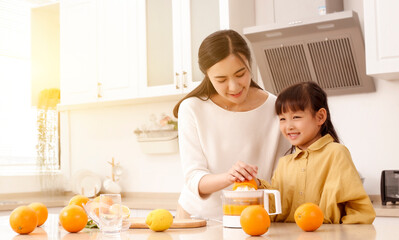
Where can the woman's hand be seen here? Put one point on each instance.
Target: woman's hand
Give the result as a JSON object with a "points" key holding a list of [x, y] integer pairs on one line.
{"points": [[242, 171], [239, 172]]}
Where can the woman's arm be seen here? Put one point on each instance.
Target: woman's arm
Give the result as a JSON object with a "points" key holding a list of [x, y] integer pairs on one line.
{"points": [[239, 172], [193, 160], [198, 178]]}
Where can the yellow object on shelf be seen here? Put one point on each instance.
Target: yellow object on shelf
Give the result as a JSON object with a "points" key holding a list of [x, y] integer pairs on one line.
{"points": [[49, 98]]}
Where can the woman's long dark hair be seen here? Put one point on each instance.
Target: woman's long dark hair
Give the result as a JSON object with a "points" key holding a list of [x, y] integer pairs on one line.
{"points": [[304, 95], [213, 49]]}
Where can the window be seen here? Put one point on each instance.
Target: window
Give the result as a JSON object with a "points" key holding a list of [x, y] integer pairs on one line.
{"points": [[18, 118]]}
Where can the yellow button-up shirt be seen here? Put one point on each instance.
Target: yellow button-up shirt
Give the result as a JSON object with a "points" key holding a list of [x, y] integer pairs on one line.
{"points": [[323, 174]]}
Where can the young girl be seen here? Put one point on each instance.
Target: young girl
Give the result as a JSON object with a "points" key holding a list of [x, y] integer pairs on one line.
{"points": [[319, 169]]}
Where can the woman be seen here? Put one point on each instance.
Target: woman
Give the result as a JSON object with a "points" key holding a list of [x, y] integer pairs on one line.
{"points": [[228, 130]]}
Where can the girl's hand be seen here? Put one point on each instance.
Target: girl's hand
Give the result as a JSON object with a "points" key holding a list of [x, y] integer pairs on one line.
{"points": [[242, 171]]}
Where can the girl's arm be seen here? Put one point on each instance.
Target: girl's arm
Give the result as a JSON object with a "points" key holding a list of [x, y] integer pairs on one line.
{"points": [[359, 210], [357, 204]]}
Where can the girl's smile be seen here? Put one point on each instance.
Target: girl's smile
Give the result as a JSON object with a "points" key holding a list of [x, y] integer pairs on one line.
{"points": [[302, 128], [293, 136]]}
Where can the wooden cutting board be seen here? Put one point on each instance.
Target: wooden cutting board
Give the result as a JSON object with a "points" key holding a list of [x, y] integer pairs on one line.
{"points": [[177, 223]]}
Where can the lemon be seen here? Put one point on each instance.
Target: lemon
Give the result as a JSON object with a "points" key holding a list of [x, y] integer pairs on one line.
{"points": [[115, 208], [159, 220]]}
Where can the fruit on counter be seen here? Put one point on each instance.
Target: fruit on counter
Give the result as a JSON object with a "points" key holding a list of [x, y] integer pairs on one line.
{"points": [[159, 220], [309, 217], [73, 218], [41, 211], [255, 220], [125, 210], [23, 220], [78, 200], [246, 184], [105, 199], [93, 206]]}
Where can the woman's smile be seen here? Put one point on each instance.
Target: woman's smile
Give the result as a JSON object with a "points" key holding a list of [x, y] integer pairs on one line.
{"points": [[237, 95]]}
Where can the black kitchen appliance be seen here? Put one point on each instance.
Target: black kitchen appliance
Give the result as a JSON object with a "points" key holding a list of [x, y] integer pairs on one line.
{"points": [[389, 186]]}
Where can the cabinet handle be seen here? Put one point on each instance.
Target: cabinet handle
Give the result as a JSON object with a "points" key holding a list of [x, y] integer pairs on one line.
{"points": [[99, 90], [184, 79], [177, 81]]}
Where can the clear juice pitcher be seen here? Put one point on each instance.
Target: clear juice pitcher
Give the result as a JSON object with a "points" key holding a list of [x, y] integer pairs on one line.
{"points": [[234, 202]]}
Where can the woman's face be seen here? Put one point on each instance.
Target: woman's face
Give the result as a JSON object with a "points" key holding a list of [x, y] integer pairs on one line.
{"points": [[231, 79]]}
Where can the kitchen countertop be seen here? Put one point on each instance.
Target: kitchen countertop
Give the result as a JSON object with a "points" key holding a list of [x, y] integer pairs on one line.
{"points": [[144, 201], [382, 229], [389, 210]]}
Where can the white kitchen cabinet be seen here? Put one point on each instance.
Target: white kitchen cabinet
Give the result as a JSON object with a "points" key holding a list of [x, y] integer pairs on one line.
{"points": [[172, 33], [382, 38], [118, 50], [99, 50], [78, 51]]}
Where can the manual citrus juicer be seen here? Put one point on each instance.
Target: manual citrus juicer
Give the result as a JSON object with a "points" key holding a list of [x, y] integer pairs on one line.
{"points": [[245, 194]]}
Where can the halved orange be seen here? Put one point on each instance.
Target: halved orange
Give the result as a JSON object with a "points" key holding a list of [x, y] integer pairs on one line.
{"points": [[249, 183]]}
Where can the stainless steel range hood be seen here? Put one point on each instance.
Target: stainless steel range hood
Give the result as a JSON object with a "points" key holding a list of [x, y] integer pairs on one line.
{"points": [[328, 49]]}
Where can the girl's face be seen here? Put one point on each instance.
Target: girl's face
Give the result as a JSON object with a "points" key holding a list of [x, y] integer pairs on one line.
{"points": [[302, 128], [231, 79]]}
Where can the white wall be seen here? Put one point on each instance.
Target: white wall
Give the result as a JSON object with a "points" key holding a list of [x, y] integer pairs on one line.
{"points": [[45, 49], [367, 125], [99, 134]]}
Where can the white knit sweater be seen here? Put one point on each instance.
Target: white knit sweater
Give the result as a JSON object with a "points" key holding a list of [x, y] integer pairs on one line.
{"points": [[212, 139]]}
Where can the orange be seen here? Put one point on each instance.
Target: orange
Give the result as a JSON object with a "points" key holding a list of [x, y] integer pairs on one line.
{"points": [[106, 200], [255, 220], [249, 183], [73, 218], [41, 211], [93, 206], [97, 211], [78, 200], [23, 220], [309, 217]]}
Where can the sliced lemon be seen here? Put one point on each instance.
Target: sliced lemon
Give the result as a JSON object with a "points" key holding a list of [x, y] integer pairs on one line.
{"points": [[115, 208]]}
